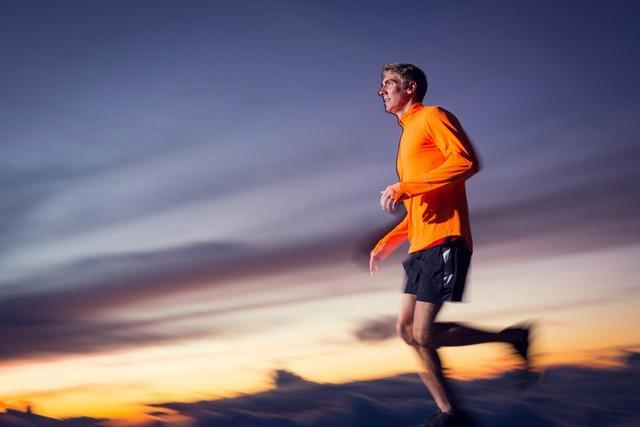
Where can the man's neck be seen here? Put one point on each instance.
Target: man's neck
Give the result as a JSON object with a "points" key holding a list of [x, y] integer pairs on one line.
{"points": [[406, 108]]}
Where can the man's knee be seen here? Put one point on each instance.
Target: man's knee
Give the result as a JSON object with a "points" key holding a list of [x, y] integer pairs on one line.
{"points": [[426, 337], [404, 330]]}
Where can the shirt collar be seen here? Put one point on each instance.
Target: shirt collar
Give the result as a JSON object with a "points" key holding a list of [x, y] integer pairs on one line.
{"points": [[413, 109]]}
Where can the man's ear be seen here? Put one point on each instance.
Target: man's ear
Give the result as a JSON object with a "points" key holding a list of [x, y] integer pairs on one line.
{"points": [[412, 87]]}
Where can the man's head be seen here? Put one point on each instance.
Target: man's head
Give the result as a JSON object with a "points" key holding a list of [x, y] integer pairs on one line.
{"points": [[402, 84]]}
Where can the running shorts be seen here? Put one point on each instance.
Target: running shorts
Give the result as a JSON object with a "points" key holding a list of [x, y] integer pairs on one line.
{"points": [[438, 274]]}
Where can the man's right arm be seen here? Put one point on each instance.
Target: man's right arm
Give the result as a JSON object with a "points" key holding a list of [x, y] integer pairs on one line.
{"points": [[460, 160]]}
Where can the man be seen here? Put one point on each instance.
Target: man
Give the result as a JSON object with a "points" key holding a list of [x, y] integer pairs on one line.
{"points": [[434, 159]]}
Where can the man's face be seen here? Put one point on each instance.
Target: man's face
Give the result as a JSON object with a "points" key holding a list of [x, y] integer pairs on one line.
{"points": [[393, 94]]}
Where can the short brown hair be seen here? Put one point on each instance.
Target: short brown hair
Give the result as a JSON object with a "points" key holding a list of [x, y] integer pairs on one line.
{"points": [[409, 73]]}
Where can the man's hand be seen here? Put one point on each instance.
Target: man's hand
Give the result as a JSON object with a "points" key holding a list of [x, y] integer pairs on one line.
{"points": [[390, 198], [373, 263]]}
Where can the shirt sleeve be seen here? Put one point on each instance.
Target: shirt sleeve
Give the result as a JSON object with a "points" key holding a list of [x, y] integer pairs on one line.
{"points": [[393, 239], [460, 160]]}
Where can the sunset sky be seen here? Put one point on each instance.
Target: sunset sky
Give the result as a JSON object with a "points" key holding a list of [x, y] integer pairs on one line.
{"points": [[190, 190]]}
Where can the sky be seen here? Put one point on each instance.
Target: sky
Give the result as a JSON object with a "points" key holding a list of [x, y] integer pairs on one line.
{"points": [[190, 192]]}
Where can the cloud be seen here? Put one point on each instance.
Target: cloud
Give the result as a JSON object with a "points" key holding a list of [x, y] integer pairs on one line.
{"points": [[56, 337], [284, 379], [15, 418], [567, 396], [64, 310], [379, 329], [26, 191], [312, 405], [588, 204]]}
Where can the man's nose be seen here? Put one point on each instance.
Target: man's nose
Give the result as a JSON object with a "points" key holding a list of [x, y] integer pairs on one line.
{"points": [[381, 92]]}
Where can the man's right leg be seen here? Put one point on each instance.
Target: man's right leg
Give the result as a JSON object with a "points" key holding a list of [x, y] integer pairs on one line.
{"points": [[424, 333], [432, 378], [404, 328]]}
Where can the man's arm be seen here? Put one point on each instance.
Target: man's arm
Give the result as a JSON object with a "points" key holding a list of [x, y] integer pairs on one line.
{"points": [[391, 240], [460, 160]]}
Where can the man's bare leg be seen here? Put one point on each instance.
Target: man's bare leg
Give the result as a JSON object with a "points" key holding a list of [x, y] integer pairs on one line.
{"points": [[423, 333], [404, 327], [456, 334], [447, 334]]}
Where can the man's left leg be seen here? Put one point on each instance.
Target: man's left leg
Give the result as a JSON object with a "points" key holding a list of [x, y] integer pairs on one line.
{"points": [[451, 334]]}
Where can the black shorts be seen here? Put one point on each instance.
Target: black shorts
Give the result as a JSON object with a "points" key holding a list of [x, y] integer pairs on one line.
{"points": [[438, 274]]}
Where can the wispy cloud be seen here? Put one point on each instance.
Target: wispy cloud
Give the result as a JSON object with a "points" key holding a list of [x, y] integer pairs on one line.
{"points": [[66, 310]]}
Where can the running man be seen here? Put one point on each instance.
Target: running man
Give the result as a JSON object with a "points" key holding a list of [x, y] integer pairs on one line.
{"points": [[434, 159]]}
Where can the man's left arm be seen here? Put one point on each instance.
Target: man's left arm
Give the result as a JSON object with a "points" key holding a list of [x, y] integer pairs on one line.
{"points": [[460, 160]]}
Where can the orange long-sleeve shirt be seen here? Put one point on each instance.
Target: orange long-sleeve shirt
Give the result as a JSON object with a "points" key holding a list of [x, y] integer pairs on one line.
{"points": [[434, 159]]}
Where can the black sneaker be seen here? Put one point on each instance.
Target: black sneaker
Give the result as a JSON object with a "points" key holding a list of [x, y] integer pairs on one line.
{"points": [[522, 344], [526, 377]]}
